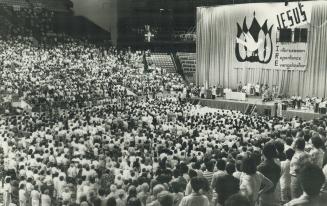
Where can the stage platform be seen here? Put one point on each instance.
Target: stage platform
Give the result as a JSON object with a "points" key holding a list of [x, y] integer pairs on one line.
{"points": [[262, 108]]}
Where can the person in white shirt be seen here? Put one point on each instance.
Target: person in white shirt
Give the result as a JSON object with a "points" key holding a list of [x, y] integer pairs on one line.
{"points": [[35, 197], [253, 183], [45, 198], [22, 195], [317, 153], [285, 179], [214, 92], [66, 195], [7, 192], [195, 198], [202, 92]]}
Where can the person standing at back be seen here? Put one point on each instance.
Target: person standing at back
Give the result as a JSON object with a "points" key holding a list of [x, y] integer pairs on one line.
{"points": [[227, 185], [285, 179], [299, 159], [311, 179], [273, 172], [253, 183]]}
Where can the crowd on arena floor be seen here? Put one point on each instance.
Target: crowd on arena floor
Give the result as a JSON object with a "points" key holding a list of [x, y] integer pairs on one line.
{"points": [[92, 144]]}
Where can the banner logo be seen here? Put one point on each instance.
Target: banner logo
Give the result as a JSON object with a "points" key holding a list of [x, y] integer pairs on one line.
{"points": [[254, 44]]}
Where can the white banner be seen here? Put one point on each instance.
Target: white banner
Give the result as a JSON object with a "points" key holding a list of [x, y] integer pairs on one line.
{"points": [[271, 35]]}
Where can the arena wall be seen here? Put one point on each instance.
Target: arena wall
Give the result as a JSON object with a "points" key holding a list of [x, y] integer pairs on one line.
{"points": [[101, 12]]}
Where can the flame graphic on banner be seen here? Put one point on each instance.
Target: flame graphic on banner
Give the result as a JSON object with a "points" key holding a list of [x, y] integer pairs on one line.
{"points": [[254, 44]]}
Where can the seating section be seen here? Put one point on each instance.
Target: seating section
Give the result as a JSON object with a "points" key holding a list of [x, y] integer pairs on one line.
{"points": [[19, 3], [188, 61], [52, 5], [45, 20], [162, 60]]}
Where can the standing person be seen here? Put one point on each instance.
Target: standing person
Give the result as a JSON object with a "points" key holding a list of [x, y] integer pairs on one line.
{"points": [[285, 179], [317, 153], [45, 198], [221, 166], [299, 159], [253, 183], [165, 199], [220, 90], [177, 193], [311, 179], [7, 192], [239, 86], [214, 92], [22, 195], [237, 200], [195, 198], [202, 92], [227, 185], [208, 174], [35, 197], [272, 171]]}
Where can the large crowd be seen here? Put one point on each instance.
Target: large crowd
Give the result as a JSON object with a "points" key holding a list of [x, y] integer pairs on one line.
{"points": [[108, 133]]}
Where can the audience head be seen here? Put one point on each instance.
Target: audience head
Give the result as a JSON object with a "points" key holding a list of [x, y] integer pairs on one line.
{"points": [[221, 164], [311, 179], [289, 153], [300, 144], [133, 202], [249, 166], [317, 142], [157, 189], [196, 184], [230, 168], [165, 198], [269, 151], [210, 165], [111, 202], [237, 200]]}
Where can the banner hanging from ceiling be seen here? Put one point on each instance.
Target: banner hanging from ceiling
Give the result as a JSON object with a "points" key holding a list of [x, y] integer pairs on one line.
{"points": [[271, 36]]}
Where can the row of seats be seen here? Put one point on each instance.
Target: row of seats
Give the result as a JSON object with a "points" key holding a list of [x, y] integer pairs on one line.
{"points": [[162, 60], [188, 61], [53, 5], [20, 3]]}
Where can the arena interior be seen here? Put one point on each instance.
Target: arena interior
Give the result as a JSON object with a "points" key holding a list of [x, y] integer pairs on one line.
{"points": [[163, 103]]}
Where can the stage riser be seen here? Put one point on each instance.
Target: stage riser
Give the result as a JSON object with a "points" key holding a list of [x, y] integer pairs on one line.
{"points": [[261, 109], [238, 106]]}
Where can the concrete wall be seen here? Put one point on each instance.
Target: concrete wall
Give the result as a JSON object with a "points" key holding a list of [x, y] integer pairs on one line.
{"points": [[101, 12]]}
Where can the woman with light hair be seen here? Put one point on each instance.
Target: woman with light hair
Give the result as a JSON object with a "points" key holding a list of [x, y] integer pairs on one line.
{"points": [[155, 191], [143, 193], [113, 191]]}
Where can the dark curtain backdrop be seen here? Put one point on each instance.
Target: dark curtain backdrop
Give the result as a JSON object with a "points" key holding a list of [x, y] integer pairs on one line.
{"points": [[215, 50]]}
